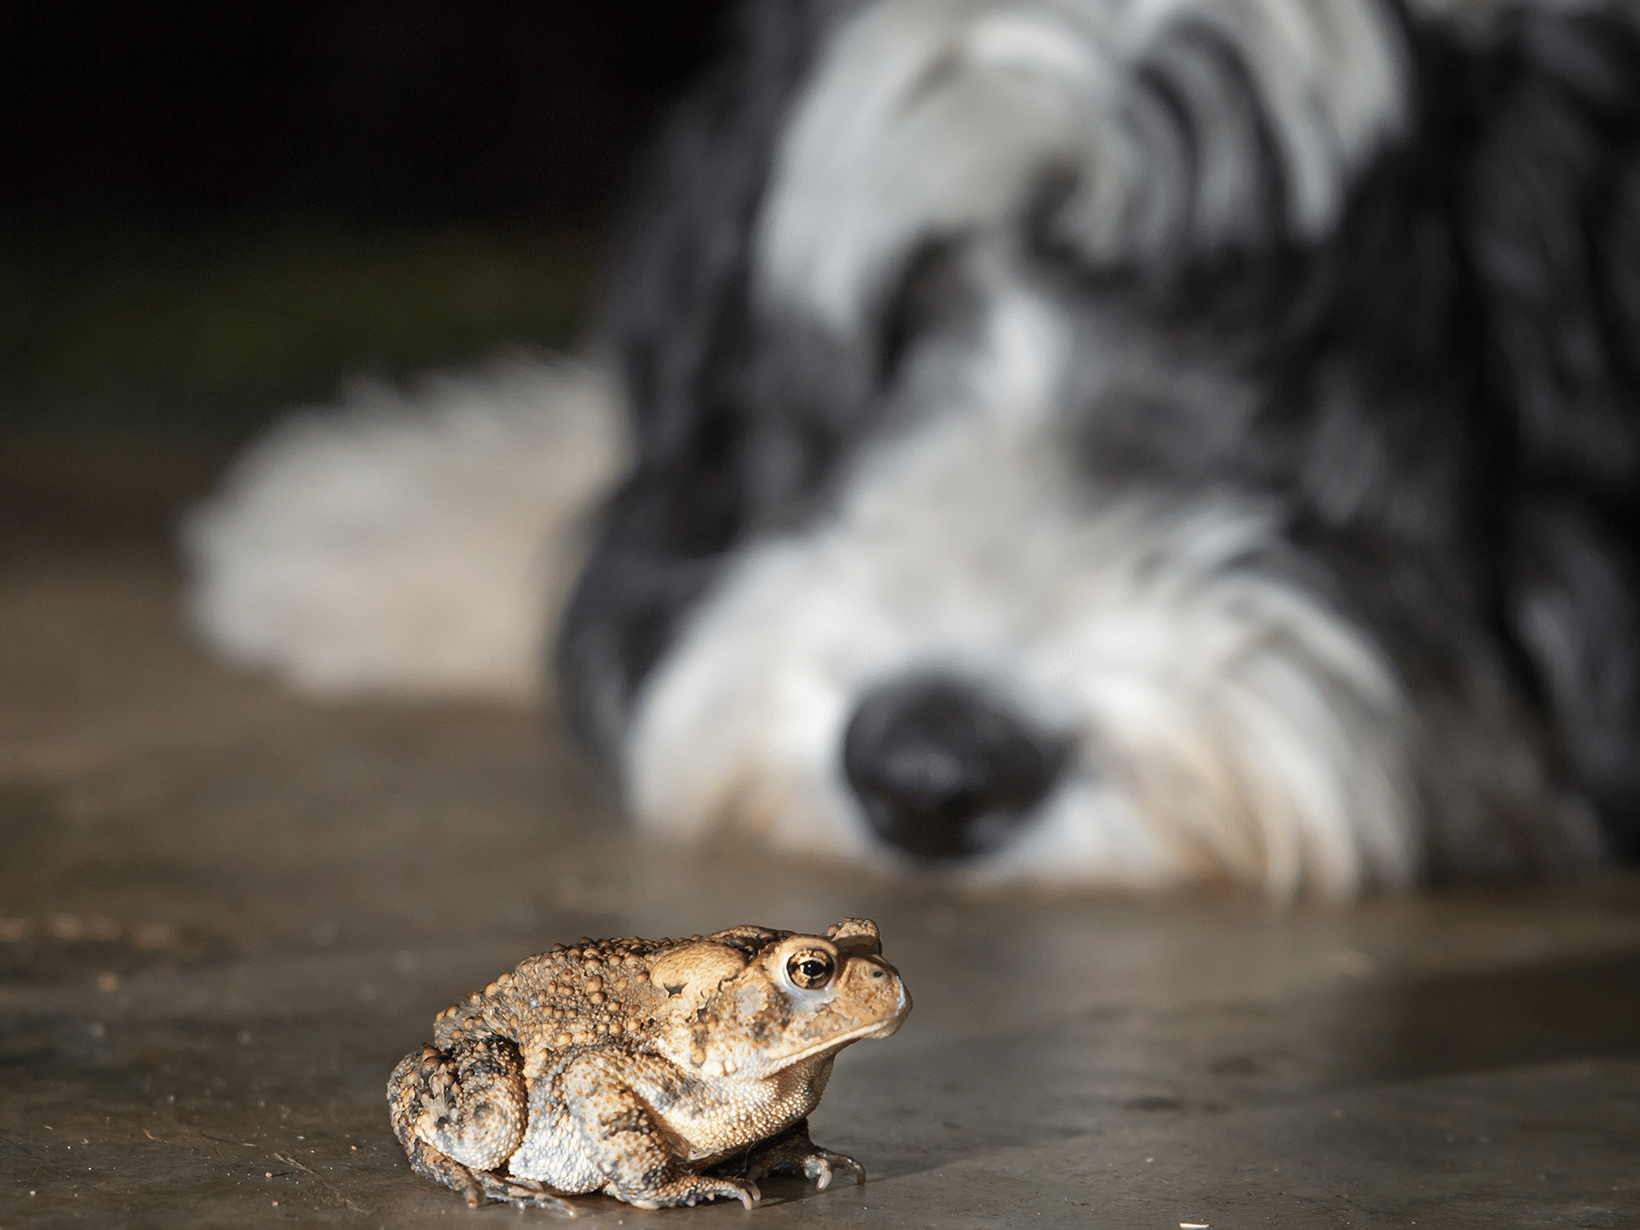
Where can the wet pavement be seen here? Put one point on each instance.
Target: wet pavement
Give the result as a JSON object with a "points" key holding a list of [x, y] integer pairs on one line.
{"points": [[225, 913]]}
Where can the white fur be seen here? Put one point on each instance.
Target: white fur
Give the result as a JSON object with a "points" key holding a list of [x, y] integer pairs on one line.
{"points": [[1226, 722], [938, 118], [413, 542]]}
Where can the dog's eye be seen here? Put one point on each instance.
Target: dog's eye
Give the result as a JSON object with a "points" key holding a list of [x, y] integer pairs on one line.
{"points": [[810, 969]]}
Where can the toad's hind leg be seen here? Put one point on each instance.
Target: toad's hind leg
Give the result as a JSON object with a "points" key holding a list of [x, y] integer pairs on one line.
{"points": [[460, 1114], [477, 1186]]}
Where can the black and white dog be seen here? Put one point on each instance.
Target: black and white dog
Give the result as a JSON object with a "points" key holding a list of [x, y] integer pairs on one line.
{"points": [[1123, 442]]}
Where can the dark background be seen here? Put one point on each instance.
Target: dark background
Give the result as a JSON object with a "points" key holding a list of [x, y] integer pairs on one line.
{"points": [[419, 109], [207, 212]]}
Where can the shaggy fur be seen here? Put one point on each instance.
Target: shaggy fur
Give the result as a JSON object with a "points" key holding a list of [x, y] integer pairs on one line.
{"points": [[414, 542], [1134, 443]]}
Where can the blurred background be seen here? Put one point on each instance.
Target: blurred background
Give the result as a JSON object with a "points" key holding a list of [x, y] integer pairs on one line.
{"points": [[208, 214]]}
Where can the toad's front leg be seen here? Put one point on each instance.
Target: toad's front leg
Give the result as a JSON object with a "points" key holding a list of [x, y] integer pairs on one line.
{"points": [[792, 1152], [460, 1114], [642, 1160]]}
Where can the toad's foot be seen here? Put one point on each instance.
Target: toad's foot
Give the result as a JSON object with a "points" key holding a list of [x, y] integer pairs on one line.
{"points": [[792, 1152]]}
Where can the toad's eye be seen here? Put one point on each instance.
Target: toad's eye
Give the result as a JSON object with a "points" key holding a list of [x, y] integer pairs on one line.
{"points": [[810, 969]]}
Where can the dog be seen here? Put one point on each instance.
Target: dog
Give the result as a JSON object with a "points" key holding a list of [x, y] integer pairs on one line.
{"points": [[1127, 443]]}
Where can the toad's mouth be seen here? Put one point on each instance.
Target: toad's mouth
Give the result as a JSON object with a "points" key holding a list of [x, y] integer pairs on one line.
{"points": [[880, 1029]]}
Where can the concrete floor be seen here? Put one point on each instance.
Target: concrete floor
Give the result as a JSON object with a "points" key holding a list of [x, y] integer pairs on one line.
{"points": [[225, 913]]}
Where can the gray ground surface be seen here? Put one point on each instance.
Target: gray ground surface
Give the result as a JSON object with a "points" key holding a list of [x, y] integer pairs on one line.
{"points": [[225, 913]]}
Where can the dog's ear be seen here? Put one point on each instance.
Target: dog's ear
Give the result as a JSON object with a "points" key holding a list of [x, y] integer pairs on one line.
{"points": [[1551, 212], [1551, 209]]}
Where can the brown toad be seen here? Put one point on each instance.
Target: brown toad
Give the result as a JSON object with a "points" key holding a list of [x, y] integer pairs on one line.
{"points": [[640, 1068]]}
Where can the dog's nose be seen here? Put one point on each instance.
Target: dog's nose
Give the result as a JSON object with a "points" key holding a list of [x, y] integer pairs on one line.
{"points": [[943, 771]]}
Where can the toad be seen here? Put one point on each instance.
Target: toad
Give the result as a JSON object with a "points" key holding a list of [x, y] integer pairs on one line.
{"points": [[661, 1072]]}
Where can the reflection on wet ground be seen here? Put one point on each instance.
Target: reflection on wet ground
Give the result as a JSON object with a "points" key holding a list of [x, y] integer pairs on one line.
{"points": [[225, 914]]}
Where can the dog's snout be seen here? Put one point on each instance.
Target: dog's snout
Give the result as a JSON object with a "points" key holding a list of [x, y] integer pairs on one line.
{"points": [[943, 771]]}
